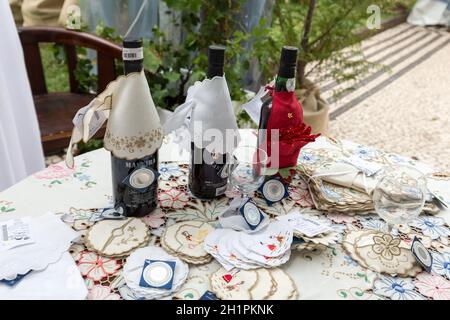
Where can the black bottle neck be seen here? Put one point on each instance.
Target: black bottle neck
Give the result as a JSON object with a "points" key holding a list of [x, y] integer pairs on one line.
{"points": [[130, 66], [286, 73], [285, 80], [133, 56], [285, 84], [216, 61], [214, 71]]}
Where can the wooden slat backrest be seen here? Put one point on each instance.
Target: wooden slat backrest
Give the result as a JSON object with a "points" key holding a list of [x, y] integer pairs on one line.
{"points": [[32, 36]]}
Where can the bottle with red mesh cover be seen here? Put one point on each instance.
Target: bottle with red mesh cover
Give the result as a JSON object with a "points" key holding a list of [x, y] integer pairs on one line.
{"points": [[282, 114]]}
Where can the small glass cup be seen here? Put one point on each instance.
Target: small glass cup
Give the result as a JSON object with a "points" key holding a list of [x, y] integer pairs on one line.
{"points": [[246, 170], [399, 195]]}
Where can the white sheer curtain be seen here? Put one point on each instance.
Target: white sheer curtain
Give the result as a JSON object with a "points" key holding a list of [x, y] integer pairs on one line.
{"points": [[20, 144]]}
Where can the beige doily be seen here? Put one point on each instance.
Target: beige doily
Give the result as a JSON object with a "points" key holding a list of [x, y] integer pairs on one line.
{"points": [[117, 238], [381, 252], [185, 239]]}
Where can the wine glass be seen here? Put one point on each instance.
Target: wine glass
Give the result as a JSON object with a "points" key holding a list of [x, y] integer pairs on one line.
{"points": [[246, 170], [399, 195]]}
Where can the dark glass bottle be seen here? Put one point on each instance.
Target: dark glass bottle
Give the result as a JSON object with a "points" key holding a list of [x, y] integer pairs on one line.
{"points": [[135, 182], [285, 81], [207, 177]]}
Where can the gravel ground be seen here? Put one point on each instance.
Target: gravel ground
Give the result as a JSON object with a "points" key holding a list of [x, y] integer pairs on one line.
{"points": [[410, 115]]}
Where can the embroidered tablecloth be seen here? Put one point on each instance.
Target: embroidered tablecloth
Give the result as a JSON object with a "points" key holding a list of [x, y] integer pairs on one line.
{"points": [[318, 274]]}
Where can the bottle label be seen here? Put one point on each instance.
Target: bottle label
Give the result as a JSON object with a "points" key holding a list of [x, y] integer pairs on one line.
{"points": [[141, 178], [132, 54], [251, 214], [208, 173], [422, 255], [135, 183], [221, 190], [290, 84], [274, 190], [285, 84]]}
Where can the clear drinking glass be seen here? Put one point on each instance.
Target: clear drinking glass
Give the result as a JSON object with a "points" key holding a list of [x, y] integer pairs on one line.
{"points": [[399, 195], [247, 169]]}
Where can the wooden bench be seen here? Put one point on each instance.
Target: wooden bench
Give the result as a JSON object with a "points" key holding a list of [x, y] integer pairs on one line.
{"points": [[55, 111]]}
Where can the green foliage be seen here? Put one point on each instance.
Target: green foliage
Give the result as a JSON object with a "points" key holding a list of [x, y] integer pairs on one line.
{"points": [[171, 68], [332, 48], [91, 145], [55, 69], [87, 81]]}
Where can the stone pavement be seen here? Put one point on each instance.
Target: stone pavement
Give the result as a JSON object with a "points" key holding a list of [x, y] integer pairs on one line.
{"points": [[405, 109]]}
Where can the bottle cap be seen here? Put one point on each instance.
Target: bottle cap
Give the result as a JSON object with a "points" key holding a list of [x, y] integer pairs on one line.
{"points": [[132, 43], [132, 52], [216, 60], [288, 62], [216, 55]]}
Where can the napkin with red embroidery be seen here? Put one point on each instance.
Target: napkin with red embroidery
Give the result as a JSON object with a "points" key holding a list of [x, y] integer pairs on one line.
{"points": [[266, 248]]}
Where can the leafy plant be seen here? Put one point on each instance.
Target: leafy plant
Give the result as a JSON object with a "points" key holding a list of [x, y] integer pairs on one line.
{"points": [[170, 68], [87, 80], [326, 32], [173, 67], [93, 144]]}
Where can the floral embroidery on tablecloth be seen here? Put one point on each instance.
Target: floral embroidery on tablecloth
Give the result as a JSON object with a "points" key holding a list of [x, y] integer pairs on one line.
{"points": [[433, 227], [170, 169], [426, 241], [6, 206], [76, 250], [173, 198], [99, 292], [433, 286], [200, 210], [183, 180], [366, 153], [396, 288], [300, 195], [58, 174], [103, 275], [374, 224], [155, 219], [354, 294], [441, 264], [96, 267], [350, 261], [440, 247]]}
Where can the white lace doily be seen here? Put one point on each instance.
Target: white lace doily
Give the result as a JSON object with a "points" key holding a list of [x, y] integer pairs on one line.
{"points": [[52, 238]]}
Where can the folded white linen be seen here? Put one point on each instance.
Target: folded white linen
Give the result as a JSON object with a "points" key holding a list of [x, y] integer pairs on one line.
{"points": [[59, 281]]}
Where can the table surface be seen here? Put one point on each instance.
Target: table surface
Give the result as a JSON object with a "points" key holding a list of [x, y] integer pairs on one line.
{"points": [[328, 274]]}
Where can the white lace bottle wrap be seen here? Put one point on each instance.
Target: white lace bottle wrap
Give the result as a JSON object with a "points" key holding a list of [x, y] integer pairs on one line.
{"points": [[133, 130], [207, 114]]}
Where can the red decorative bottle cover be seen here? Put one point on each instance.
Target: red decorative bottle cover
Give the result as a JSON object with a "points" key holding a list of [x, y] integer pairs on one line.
{"points": [[293, 134]]}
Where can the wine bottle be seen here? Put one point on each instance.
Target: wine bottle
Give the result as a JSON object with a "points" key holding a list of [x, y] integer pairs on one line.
{"points": [[207, 177], [135, 182], [285, 81]]}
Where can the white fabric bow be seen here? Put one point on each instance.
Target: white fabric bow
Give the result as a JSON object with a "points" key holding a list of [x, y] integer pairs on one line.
{"points": [[207, 117]]}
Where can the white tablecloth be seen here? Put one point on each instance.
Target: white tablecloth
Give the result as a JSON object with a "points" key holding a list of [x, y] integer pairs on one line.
{"points": [[329, 274]]}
